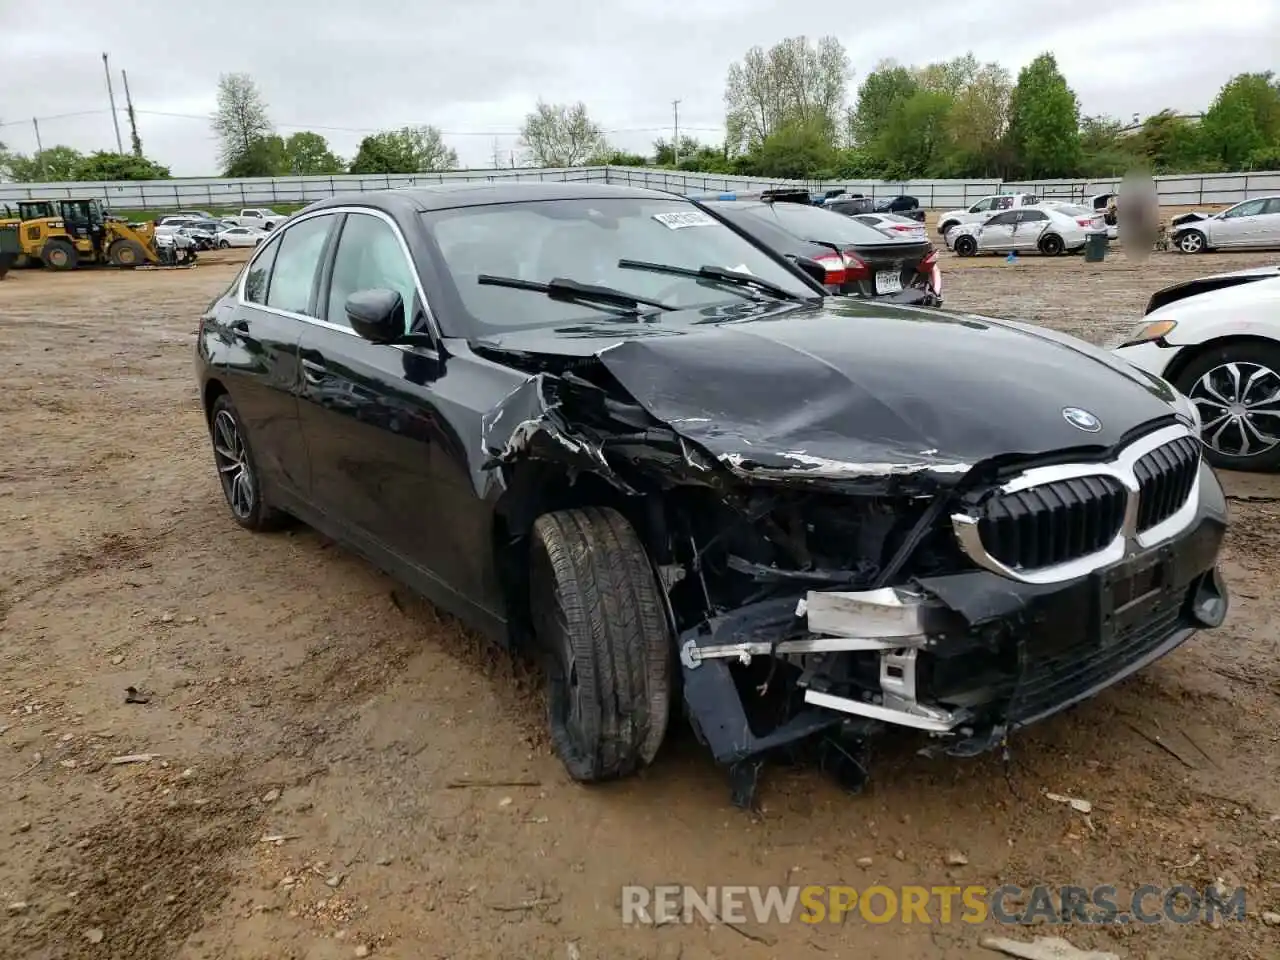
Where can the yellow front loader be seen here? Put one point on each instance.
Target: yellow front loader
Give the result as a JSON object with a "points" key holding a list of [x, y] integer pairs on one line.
{"points": [[65, 234]]}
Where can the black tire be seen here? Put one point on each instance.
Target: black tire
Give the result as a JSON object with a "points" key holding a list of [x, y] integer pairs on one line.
{"points": [[59, 254], [965, 246], [947, 227], [252, 512], [601, 621], [1051, 245], [1222, 447], [127, 253], [222, 244], [1192, 241]]}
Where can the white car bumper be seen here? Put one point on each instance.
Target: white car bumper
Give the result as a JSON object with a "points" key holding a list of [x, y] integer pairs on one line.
{"points": [[1149, 356]]}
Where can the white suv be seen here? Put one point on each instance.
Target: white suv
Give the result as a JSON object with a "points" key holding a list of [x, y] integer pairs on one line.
{"points": [[983, 209]]}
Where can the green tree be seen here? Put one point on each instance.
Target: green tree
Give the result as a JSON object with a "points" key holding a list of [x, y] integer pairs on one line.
{"points": [[664, 151], [263, 157], [799, 150], [1106, 150], [884, 89], [916, 139], [561, 135], [794, 81], [951, 77], [1243, 119], [1044, 121], [106, 166], [307, 154], [979, 117], [406, 150], [1172, 144], [241, 123], [51, 165]]}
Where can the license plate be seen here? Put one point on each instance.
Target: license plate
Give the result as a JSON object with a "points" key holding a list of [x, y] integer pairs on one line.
{"points": [[888, 281], [1131, 592]]}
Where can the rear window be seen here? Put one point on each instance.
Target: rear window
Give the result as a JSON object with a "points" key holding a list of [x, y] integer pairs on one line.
{"points": [[821, 226]]}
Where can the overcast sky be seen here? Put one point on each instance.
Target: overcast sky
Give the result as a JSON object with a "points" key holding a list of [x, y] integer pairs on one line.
{"points": [[475, 69]]}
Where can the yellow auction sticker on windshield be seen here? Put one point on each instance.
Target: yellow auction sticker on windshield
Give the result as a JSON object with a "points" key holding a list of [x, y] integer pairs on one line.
{"points": [[691, 218]]}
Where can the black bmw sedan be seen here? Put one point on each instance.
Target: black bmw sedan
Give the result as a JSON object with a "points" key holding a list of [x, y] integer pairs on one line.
{"points": [[851, 258], [610, 429]]}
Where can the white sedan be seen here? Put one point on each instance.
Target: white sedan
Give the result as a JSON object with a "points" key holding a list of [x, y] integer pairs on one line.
{"points": [[1050, 229], [1250, 224], [1217, 340], [239, 237], [893, 225]]}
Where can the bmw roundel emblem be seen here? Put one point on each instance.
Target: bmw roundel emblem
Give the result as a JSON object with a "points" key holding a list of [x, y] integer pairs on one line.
{"points": [[1081, 419]]}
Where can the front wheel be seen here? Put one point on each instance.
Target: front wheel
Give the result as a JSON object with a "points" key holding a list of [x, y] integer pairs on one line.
{"points": [[222, 244], [600, 619], [1193, 241], [965, 246], [127, 253], [1236, 388]]}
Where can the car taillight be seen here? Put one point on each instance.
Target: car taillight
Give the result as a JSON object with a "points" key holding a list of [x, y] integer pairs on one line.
{"points": [[834, 264], [903, 228], [929, 262], [855, 267], [1085, 221]]}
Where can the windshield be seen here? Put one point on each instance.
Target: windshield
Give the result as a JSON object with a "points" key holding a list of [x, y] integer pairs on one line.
{"points": [[583, 240], [812, 223]]}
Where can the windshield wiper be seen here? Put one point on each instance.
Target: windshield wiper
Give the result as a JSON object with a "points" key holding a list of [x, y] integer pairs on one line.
{"points": [[571, 291], [713, 273]]}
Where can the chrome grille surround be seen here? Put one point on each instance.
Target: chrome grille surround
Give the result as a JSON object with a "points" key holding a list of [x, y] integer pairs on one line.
{"points": [[1129, 540]]}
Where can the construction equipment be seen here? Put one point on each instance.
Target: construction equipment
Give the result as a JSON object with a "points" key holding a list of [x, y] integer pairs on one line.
{"points": [[65, 234]]}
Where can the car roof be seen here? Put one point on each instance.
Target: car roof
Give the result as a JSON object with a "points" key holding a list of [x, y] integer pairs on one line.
{"points": [[448, 196]]}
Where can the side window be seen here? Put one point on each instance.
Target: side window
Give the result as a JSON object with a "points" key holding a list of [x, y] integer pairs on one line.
{"points": [[1032, 215], [982, 205], [869, 221], [369, 257], [1002, 220], [294, 271], [255, 284], [1002, 203], [1250, 208], [1273, 205]]}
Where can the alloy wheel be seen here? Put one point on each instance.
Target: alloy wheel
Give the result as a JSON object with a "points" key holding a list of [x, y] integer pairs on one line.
{"points": [[233, 464], [1240, 406], [1191, 243]]}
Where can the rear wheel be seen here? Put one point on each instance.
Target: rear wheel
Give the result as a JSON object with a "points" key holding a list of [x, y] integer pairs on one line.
{"points": [[1236, 387], [59, 254], [237, 471], [965, 246], [127, 253], [1051, 245], [600, 620]]}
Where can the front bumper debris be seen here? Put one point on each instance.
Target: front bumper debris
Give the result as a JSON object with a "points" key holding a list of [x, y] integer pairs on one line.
{"points": [[966, 658]]}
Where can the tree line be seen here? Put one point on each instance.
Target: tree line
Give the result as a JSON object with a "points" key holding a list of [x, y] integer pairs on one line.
{"points": [[788, 114]]}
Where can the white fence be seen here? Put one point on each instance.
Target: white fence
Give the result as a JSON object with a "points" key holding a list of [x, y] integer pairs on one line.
{"points": [[1218, 188]]}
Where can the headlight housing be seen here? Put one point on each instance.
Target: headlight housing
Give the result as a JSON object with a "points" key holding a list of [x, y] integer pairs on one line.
{"points": [[1149, 330], [1188, 411]]}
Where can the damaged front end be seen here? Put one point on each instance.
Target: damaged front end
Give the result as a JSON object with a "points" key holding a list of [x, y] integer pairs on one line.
{"points": [[816, 601]]}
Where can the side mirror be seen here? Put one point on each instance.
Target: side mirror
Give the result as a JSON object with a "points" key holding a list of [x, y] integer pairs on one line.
{"points": [[377, 315]]}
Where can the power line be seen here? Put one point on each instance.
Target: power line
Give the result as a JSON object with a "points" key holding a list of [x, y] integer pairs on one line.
{"points": [[332, 129]]}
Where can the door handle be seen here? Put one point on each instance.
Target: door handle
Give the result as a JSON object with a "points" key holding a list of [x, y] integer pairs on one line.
{"points": [[314, 372]]}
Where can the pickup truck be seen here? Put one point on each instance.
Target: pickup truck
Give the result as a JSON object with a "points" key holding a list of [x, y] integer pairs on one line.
{"points": [[984, 208], [264, 218]]}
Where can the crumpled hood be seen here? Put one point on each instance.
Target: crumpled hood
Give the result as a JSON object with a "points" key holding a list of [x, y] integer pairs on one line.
{"points": [[859, 389]]}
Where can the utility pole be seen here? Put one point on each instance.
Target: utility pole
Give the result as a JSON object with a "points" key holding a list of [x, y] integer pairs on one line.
{"points": [[133, 119], [39, 146], [110, 95], [497, 156], [675, 139]]}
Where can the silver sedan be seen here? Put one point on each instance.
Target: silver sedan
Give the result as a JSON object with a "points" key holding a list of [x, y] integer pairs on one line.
{"points": [[1250, 224], [1050, 229]]}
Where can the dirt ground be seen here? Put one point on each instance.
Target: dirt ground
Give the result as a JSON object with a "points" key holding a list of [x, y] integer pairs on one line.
{"points": [[312, 724]]}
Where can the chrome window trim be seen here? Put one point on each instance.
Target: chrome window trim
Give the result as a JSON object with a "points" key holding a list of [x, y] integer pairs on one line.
{"points": [[1128, 540], [277, 237]]}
